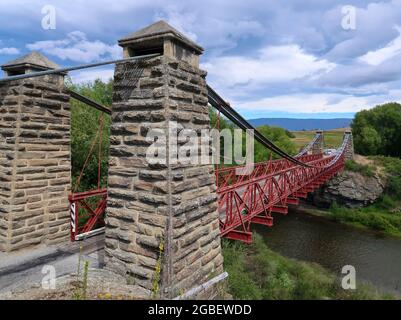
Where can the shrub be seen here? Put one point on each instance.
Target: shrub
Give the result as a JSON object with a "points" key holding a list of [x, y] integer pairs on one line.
{"points": [[392, 168]]}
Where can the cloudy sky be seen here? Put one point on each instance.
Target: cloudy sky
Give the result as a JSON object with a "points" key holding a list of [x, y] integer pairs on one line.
{"points": [[291, 58]]}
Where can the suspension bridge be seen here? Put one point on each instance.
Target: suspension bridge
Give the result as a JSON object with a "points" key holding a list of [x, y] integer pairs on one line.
{"points": [[243, 199], [185, 209]]}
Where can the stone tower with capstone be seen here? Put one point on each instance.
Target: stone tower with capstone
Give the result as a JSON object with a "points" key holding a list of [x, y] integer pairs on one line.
{"points": [[35, 165], [161, 214]]}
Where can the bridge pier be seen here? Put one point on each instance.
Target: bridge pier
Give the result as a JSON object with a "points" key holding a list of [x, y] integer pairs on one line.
{"points": [[162, 225], [35, 166], [318, 144], [349, 151]]}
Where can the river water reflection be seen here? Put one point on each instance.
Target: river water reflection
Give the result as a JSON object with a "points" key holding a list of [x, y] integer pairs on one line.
{"points": [[376, 258]]}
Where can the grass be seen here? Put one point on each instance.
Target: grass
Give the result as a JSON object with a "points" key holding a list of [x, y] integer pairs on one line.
{"points": [[365, 170], [332, 138], [156, 276], [81, 287], [375, 217], [256, 272]]}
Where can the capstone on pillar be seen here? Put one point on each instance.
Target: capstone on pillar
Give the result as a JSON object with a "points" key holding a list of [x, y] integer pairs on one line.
{"points": [[169, 205], [35, 165]]}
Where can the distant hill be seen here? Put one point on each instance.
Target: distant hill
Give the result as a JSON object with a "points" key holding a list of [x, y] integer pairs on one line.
{"points": [[303, 124]]}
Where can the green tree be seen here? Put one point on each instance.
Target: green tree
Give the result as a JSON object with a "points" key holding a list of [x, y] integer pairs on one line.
{"points": [[368, 142], [279, 137], [378, 130], [84, 126]]}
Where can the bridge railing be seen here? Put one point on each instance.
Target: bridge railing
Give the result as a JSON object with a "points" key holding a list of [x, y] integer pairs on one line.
{"points": [[254, 200], [230, 176], [270, 188], [87, 213]]}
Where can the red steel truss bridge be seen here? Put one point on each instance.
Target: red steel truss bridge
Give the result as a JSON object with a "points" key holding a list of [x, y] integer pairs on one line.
{"points": [[243, 200], [270, 186]]}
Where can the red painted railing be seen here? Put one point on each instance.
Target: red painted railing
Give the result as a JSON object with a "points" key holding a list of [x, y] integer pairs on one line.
{"points": [[87, 212], [270, 187]]}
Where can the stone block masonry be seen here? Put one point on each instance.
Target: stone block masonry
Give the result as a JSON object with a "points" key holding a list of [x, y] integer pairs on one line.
{"points": [[35, 164], [172, 204]]}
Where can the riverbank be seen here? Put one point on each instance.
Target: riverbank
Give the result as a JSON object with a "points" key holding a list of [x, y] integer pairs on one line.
{"points": [[369, 218], [256, 272], [384, 215]]}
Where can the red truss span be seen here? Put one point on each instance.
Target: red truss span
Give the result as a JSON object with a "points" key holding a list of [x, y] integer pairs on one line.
{"points": [[269, 188]]}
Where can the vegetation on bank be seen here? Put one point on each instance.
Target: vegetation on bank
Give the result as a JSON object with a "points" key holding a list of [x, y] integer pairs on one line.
{"points": [[392, 172], [373, 217], [377, 134], [280, 137], [365, 170], [378, 131], [256, 272], [385, 214]]}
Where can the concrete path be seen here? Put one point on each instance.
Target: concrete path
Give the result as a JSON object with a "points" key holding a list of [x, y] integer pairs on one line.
{"points": [[24, 269]]}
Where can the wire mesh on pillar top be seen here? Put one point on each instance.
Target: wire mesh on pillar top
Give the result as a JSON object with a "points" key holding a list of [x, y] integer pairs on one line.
{"points": [[127, 79]]}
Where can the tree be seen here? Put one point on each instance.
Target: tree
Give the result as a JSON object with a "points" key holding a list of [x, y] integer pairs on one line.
{"points": [[279, 137], [368, 142], [84, 125], [378, 131]]}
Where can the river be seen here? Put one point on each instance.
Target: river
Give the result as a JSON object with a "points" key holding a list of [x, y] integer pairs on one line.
{"points": [[376, 258]]}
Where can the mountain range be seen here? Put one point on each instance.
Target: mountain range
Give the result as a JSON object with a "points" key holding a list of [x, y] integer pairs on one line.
{"points": [[303, 124]]}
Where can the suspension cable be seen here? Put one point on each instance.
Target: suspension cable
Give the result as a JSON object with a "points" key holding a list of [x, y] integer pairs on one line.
{"points": [[217, 102]]}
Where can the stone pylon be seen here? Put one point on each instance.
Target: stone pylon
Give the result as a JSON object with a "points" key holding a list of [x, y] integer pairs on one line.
{"points": [[349, 151], [318, 144], [165, 214], [35, 166]]}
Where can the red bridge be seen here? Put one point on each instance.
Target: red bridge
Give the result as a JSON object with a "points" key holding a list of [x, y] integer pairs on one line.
{"points": [[243, 200], [270, 188]]}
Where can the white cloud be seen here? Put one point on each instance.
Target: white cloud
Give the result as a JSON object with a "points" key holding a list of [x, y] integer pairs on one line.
{"points": [[375, 21], [377, 57], [91, 75], [216, 31], [305, 48], [315, 103], [9, 51], [179, 21], [77, 47], [272, 65]]}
